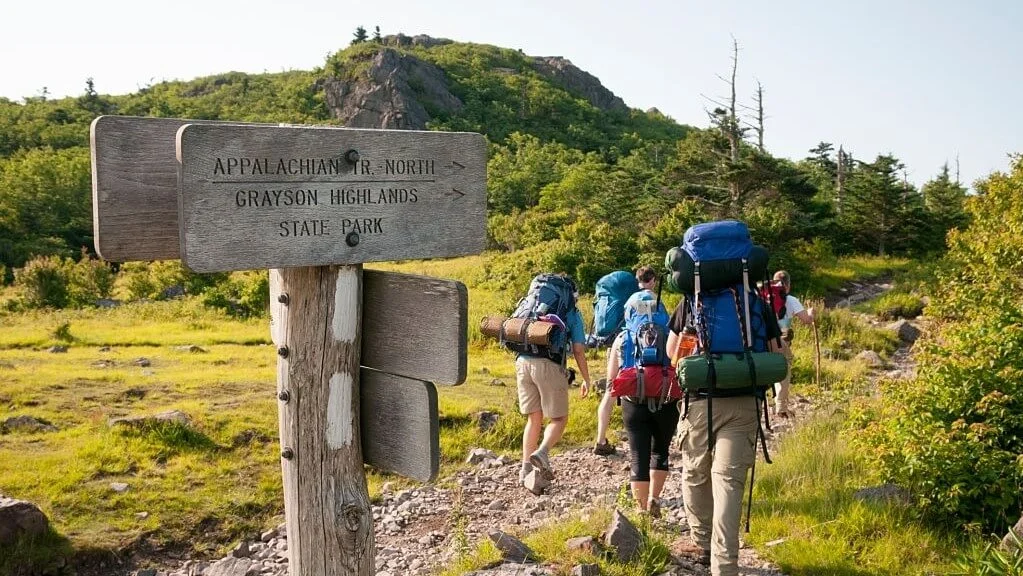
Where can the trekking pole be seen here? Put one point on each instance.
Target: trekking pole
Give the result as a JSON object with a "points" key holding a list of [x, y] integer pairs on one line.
{"points": [[817, 346], [752, 475]]}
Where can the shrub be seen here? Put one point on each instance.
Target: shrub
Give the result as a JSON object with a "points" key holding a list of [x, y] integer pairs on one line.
{"points": [[43, 282], [151, 280], [90, 279], [894, 305], [243, 294]]}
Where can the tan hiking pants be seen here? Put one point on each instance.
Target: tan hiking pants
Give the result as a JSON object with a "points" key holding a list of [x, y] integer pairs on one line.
{"points": [[713, 477], [781, 391]]}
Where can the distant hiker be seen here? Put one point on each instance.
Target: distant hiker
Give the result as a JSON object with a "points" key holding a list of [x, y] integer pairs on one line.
{"points": [[646, 280], [639, 372], [792, 308], [540, 371]]}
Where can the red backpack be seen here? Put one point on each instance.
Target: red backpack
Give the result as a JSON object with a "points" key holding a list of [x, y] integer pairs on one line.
{"points": [[775, 293]]}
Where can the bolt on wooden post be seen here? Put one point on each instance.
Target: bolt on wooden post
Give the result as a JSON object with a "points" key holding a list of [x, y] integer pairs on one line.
{"points": [[358, 350]]}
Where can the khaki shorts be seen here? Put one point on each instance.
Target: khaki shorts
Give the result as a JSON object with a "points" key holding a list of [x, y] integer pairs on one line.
{"points": [[543, 387]]}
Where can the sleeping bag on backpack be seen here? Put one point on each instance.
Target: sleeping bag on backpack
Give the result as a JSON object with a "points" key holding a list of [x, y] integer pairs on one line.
{"points": [[719, 247], [550, 297], [612, 291]]}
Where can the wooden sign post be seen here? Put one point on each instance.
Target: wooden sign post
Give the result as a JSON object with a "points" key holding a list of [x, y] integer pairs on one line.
{"points": [[301, 201]]}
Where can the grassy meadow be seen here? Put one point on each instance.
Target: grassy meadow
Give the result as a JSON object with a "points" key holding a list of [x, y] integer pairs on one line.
{"points": [[200, 488]]}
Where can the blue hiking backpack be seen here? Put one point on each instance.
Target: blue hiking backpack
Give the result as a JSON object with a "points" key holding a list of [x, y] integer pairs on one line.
{"points": [[548, 294], [646, 331], [609, 298]]}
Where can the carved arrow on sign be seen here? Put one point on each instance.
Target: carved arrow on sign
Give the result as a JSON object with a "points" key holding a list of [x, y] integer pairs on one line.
{"points": [[457, 165], [453, 192]]}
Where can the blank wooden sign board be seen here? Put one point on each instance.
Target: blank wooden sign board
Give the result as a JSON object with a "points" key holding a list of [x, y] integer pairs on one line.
{"points": [[278, 197]]}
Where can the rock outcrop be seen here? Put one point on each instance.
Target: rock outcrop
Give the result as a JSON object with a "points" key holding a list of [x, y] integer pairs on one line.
{"points": [[578, 81], [394, 92]]}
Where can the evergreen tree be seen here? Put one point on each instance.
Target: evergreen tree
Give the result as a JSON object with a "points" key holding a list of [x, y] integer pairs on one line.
{"points": [[376, 35], [879, 208], [943, 199], [360, 35]]}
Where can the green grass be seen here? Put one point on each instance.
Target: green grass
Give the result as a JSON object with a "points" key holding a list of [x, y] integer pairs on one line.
{"points": [[828, 277], [806, 498]]}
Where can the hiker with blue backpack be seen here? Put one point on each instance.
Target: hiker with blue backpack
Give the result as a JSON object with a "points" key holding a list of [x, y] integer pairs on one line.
{"points": [[640, 374], [725, 381], [609, 314], [542, 378]]}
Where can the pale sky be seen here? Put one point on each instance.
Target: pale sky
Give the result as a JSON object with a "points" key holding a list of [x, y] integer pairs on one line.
{"points": [[925, 80]]}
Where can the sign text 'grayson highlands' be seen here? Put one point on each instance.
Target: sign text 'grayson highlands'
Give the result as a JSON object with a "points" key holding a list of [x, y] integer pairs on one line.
{"points": [[345, 196]]}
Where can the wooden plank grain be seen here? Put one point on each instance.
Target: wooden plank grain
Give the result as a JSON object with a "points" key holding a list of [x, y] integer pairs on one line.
{"points": [[400, 425], [254, 197], [135, 186], [327, 508], [415, 326]]}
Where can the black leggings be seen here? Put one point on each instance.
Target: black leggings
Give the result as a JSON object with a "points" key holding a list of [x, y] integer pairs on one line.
{"points": [[650, 436]]}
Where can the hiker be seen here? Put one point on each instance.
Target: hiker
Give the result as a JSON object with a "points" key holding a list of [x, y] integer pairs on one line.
{"points": [[650, 422], [724, 381], [542, 379], [646, 279], [793, 308]]}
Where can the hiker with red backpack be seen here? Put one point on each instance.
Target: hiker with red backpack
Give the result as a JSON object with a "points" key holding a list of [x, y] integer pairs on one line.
{"points": [[646, 282], [541, 376], [640, 374], [787, 307]]}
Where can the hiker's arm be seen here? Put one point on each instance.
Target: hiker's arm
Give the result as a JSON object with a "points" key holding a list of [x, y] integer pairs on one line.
{"points": [[805, 316], [613, 362], [579, 351], [672, 345]]}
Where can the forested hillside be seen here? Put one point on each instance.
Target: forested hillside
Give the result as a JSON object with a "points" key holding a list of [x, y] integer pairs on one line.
{"points": [[576, 179]]}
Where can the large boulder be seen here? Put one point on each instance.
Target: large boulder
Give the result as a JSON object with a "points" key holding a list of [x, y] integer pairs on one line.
{"points": [[1014, 537], [906, 331], [578, 82], [19, 518], [623, 537]]}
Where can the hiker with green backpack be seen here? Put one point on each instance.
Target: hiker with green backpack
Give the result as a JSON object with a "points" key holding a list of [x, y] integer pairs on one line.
{"points": [[725, 381]]}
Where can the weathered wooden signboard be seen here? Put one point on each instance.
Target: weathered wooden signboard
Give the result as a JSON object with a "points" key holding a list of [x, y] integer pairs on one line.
{"points": [[357, 352], [280, 197]]}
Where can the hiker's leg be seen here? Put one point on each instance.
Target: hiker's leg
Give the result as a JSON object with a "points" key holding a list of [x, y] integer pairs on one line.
{"points": [[607, 404], [552, 433], [531, 434], [697, 495], [781, 396], [666, 420], [529, 404], [639, 426], [734, 451], [552, 382]]}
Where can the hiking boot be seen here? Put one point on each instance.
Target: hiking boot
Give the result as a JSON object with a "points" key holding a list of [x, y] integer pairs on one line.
{"points": [[685, 548], [540, 462], [653, 507], [604, 448], [524, 471]]}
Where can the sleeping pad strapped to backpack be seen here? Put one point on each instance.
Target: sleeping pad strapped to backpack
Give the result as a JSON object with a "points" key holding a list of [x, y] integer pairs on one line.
{"points": [[609, 298], [549, 294]]}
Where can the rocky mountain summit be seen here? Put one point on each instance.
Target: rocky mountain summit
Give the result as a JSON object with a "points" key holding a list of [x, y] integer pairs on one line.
{"points": [[398, 90]]}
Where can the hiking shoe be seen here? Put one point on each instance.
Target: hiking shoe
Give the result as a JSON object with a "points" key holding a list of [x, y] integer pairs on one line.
{"points": [[653, 507], [540, 462], [524, 471], [604, 448], [685, 548]]}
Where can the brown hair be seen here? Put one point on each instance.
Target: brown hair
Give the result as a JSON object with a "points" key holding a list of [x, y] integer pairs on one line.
{"points": [[645, 274]]}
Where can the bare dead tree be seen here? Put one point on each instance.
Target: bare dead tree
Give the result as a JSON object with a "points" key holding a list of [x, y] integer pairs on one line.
{"points": [[957, 169], [726, 118], [757, 110]]}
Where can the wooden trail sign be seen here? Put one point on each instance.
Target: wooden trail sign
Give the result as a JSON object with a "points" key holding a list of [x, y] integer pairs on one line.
{"points": [[281, 197], [334, 414]]}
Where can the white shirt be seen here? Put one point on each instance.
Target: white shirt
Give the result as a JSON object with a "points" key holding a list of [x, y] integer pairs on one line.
{"points": [[792, 307]]}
